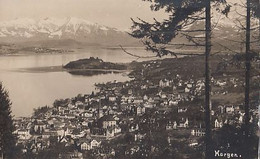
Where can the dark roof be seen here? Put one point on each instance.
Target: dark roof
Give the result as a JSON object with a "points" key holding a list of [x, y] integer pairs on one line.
{"points": [[107, 118]]}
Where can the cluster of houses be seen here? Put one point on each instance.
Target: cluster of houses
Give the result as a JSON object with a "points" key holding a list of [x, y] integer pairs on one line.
{"points": [[116, 108], [47, 50]]}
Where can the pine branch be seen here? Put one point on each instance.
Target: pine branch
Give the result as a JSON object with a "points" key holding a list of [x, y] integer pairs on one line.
{"points": [[191, 31], [184, 45]]}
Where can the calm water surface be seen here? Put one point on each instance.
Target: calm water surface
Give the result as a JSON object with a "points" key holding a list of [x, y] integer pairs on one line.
{"points": [[29, 90]]}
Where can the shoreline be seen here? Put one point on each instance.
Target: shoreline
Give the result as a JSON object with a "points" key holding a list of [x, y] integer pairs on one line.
{"points": [[61, 69], [28, 53], [42, 69]]}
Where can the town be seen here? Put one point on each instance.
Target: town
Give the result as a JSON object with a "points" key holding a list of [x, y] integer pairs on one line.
{"points": [[158, 115]]}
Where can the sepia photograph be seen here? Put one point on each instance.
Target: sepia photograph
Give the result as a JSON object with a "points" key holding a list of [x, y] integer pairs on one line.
{"points": [[129, 79]]}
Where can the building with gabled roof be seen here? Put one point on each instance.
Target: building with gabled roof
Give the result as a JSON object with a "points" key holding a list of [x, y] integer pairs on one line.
{"points": [[107, 121]]}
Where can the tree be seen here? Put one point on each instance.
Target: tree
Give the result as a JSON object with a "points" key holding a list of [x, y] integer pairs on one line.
{"points": [[254, 7], [233, 139], [7, 139], [158, 36], [252, 11], [251, 5], [247, 63]]}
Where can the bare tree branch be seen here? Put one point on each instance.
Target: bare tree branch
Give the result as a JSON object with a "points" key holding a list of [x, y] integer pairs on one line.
{"points": [[134, 54], [227, 48]]}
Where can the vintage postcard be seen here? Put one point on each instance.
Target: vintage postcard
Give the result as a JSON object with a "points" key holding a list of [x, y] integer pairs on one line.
{"points": [[129, 79]]}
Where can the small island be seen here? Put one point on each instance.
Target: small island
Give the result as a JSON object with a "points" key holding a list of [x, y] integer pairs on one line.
{"points": [[93, 66]]}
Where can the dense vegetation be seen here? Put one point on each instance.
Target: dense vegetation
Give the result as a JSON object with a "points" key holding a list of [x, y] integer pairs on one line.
{"points": [[94, 63]]}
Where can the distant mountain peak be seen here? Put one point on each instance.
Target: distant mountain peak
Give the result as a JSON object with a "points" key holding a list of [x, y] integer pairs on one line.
{"points": [[49, 28], [47, 25]]}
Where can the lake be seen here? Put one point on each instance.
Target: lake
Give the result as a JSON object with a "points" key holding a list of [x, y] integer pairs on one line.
{"points": [[32, 89]]}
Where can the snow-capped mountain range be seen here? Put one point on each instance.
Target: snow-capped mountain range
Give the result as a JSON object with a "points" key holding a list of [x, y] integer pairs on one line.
{"points": [[71, 30], [80, 30]]}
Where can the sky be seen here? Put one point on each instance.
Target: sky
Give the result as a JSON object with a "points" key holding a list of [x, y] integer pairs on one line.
{"points": [[113, 13]]}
